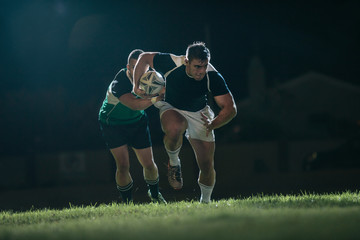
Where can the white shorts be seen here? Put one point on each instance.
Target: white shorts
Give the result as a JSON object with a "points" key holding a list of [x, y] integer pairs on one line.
{"points": [[196, 128]]}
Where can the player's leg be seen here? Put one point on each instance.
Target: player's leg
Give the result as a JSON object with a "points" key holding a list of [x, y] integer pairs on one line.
{"points": [[123, 178], [150, 171], [204, 153], [141, 143], [145, 157], [173, 125]]}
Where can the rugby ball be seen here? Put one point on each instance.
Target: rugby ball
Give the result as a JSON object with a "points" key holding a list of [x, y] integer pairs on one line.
{"points": [[151, 82]]}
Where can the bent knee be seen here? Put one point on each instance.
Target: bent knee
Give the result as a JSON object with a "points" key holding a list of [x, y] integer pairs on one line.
{"points": [[207, 167], [150, 167], [173, 123], [174, 132], [122, 167]]}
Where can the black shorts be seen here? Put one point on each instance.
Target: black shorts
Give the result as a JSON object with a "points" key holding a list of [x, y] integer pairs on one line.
{"points": [[136, 135]]}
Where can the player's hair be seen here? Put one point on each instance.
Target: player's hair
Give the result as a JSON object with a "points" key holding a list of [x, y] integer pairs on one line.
{"points": [[134, 54], [197, 50]]}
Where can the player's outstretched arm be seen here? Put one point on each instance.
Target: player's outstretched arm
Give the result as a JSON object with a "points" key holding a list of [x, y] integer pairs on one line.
{"points": [[145, 61], [131, 101]]}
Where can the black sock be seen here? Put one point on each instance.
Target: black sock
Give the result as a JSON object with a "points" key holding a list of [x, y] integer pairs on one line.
{"points": [[126, 192], [153, 185]]}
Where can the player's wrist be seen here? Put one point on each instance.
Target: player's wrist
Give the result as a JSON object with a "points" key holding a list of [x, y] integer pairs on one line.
{"points": [[210, 127], [153, 100]]}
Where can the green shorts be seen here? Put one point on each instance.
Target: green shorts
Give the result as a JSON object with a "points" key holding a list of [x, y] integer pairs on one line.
{"points": [[136, 135]]}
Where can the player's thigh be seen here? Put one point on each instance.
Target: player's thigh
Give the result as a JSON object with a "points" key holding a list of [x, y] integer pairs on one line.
{"points": [[173, 122], [145, 157], [121, 156], [204, 152]]}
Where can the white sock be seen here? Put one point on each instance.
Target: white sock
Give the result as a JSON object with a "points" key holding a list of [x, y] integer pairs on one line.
{"points": [[206, 192], [174, 157]]}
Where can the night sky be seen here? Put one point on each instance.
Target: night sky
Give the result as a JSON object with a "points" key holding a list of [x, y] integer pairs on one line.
{"points": [[58, 57]]}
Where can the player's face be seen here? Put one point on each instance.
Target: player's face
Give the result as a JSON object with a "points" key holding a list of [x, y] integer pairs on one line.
{"points": [[197, 68], [131, 66]]}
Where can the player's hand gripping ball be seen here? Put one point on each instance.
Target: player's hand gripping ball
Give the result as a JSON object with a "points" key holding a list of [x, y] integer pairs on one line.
{"points": [[151, 82]]}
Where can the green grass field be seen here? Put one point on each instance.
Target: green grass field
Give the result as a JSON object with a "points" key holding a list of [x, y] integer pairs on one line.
{"points": [[305, 216]]}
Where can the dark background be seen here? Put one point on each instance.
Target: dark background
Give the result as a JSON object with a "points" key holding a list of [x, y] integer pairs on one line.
{"points": [[58, 57]]}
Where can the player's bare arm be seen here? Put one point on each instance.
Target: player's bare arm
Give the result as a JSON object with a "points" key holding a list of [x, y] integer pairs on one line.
{"points": [[228, 111], [131, 101], [145, 61]]}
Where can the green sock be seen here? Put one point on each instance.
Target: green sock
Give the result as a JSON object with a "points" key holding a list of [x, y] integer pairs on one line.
{"points": [[153, 185], [126, 192]]}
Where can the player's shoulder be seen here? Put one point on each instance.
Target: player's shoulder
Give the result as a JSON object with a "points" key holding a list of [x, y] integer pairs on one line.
{"points": [[213, 74], [120, 78], [178, 60], [210, 68], [121, 74]]}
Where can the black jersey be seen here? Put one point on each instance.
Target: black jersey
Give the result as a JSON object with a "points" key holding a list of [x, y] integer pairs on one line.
{"points": [[182, 91]]}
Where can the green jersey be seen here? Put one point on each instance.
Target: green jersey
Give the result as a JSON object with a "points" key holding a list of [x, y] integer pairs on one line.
{"points": [[112, 111]]}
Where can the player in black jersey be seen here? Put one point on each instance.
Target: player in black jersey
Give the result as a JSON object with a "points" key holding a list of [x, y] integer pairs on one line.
{"points": [[185, 110]]}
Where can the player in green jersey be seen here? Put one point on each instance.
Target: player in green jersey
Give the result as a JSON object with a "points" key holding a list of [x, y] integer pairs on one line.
{"points": [[124, 123]]}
